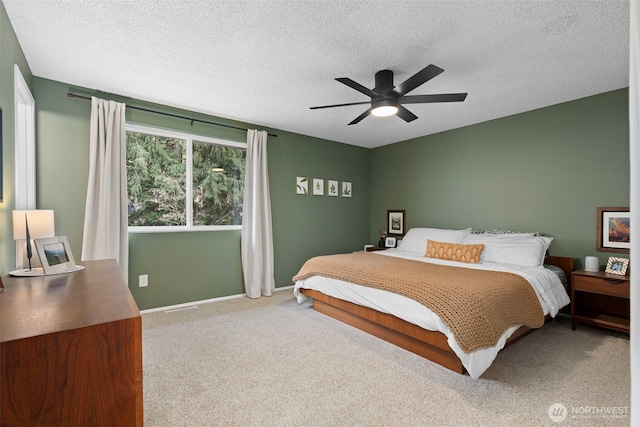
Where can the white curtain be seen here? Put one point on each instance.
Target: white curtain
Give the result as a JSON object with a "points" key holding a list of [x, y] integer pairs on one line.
{"points": [[257, 235], [634, 156], [105, 218]]}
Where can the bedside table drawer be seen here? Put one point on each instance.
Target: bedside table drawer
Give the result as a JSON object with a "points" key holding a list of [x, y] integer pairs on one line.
{"points": [[603, 286]]}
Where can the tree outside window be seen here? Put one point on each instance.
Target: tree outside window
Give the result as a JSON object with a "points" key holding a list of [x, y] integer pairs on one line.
{"points": [[177, 180]]}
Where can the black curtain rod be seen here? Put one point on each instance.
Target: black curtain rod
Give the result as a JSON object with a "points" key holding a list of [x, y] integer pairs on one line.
{"points": [[192, 120]]}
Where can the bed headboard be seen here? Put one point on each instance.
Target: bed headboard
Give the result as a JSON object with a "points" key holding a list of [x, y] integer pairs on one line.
{"points": [[565, 263]]}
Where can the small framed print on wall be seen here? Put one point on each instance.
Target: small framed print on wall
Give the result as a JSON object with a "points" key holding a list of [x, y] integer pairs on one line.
{"points": [[395, 222], [346, 189], [613, 230], [302, 185], [332, 188], [318, 187]]}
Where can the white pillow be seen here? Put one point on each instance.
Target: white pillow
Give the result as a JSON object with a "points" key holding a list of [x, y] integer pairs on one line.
{"points": [[511, 249], [415, 241], [504, 234]]}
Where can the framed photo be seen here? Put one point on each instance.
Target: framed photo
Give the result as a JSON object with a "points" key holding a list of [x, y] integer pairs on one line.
{"points": [[613, 230], [55, 255], [390, 242], [332, 188], [318, 187], [395, 222], [302, 185], [346, 189], [617, 266]]}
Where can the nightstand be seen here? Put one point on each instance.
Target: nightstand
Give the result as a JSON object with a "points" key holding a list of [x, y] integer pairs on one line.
{"points": [[375, 248], [600, 299]]}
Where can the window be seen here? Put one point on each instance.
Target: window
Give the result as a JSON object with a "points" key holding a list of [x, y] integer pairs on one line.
{"points": [[181, 181]]}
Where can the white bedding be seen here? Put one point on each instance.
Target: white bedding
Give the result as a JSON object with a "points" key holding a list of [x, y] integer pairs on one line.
{"points": [[547, 285]]}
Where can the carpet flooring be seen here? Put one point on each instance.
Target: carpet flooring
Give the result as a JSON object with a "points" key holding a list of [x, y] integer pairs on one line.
{"points": [[274, 362]]}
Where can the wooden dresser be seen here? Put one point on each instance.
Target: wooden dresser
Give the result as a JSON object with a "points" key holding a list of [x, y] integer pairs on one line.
{"points": [[70, 350]]}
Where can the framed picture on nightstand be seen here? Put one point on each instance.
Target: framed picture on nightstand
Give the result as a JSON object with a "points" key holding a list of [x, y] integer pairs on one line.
{"points": [[617, 266]]}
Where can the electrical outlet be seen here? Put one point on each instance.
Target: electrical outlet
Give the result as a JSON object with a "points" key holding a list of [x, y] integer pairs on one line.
{"points": [[143, 280]]}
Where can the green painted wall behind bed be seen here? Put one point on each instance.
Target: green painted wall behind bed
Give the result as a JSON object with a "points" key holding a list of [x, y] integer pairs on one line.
{"points": [[192, 266], [544, 170]]}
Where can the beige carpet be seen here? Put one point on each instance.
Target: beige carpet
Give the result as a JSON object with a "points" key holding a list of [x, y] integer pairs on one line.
{"points": [[272, 362]]}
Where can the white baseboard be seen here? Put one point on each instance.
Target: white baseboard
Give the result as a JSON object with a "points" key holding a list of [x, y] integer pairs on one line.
{"points": [[206, 301]]}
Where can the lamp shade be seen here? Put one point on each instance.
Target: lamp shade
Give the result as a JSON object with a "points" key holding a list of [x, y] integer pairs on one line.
{"points": [[41, 224]]}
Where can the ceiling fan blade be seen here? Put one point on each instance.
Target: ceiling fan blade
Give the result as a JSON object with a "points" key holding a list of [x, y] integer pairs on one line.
{"points": [[360, 117], [405, 114], [443, 97], [340, 105], [422, 76], [357, 86]]}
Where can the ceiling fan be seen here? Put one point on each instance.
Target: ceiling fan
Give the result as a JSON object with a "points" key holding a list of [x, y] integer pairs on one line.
{"points": [[387, 99]]}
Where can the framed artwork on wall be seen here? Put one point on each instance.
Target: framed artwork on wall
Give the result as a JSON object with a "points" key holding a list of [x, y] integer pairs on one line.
{"points": [[613, 230], [318, 187], [346, 189], [395, 222], [302, 185], [332, 188]]}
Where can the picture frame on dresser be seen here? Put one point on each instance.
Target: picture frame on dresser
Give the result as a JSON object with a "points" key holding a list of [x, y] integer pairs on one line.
{"points": [[56, 256], [617, 266], [613, 229]]}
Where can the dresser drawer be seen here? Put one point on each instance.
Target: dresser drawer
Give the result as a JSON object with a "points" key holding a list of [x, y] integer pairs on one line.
{"points": [[604, 286]]}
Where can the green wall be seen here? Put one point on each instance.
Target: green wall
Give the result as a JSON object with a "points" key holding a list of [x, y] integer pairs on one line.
{"points": [[10, 54], [544, 170], [192, 266]]}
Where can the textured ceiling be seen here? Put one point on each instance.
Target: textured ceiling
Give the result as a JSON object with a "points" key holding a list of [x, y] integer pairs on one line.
{"points": [[267, 62]]}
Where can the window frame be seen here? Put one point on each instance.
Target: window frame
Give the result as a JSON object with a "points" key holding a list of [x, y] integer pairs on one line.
{"points": [[189, 138]]}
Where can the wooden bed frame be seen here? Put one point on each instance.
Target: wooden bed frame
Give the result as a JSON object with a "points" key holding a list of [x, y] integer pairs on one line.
{"points": [[431, 345]]}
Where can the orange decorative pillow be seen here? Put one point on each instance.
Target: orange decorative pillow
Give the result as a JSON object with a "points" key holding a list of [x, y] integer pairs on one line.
{"points": [[454, 252]]}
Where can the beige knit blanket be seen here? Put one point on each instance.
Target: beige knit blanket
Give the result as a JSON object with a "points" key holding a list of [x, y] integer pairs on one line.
{"points": [[476, 305]]}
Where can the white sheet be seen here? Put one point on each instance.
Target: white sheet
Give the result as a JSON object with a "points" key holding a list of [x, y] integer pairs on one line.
{"points": [[548, 287]]}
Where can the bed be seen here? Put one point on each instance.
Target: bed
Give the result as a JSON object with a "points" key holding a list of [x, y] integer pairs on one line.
{"points": [[409, 324]]}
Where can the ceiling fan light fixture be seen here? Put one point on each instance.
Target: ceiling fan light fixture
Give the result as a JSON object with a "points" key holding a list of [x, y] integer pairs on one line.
{"points": [[385, 108], [386, 98]]}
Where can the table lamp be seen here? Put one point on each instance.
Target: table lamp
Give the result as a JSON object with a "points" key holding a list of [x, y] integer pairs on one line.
{"points": [[29, 225]]}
